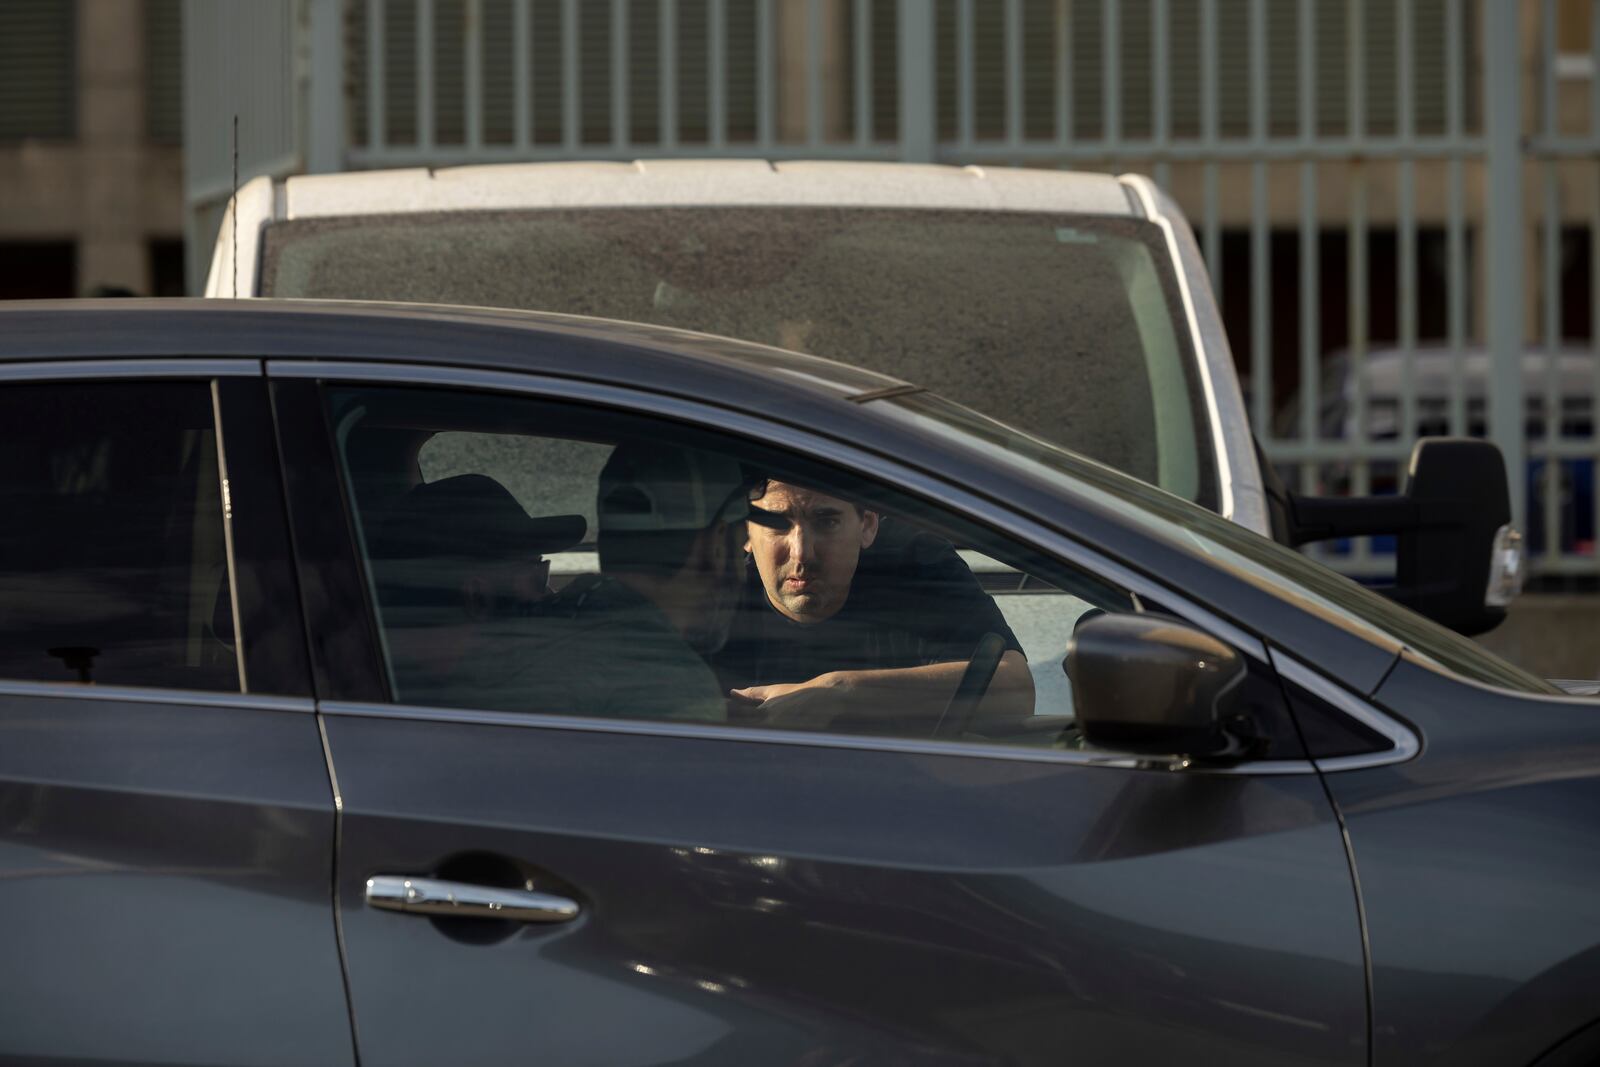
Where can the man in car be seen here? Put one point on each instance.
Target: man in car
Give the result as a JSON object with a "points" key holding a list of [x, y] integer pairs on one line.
{"points": [[833, 633]]}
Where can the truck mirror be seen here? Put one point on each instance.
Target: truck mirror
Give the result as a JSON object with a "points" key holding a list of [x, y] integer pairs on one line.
{"points": [[1459, 560]]}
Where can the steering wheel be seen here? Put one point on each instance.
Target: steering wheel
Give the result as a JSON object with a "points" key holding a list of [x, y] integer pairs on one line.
{"points": [[957, 715]]}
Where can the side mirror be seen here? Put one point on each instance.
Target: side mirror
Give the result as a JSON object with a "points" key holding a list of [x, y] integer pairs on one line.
{"points": [[1151, 684], [1459, 560]]}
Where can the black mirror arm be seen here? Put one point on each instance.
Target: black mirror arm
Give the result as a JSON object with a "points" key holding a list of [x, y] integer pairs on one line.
{"points": [[1314, 518]]}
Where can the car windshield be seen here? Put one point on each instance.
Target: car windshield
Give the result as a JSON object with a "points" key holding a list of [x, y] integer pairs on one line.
{"points": [[1063, 325], [1276, 567]]}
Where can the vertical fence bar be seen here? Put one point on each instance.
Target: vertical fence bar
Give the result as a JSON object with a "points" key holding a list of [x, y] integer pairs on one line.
{"points": [[863, 67], [1310, 246], [1261, 389], [1160, 88], [814, 83], [1404, 54], [327, 136], [919, 120], [766, 74], [1014, 100], [717, 72], [424, 74], [1456, 297], [1547, 68], [1211, 224], [1063, 28], [1111, 73], [1258, 74], [1406, 209], [1310, 310], [1502, 109], [1260, 302], [1356, 67], [472, 57], [571, 78], [521, 75], [964, 86], [621, 108], [377, 105], [1551, 299], [1594, 269], [667, 43], [1455, 233], [1356, 272], [1594, 107]]}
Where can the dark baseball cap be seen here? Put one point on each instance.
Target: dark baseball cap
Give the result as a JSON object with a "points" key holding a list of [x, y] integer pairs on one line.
{"points": [[472, 516]]}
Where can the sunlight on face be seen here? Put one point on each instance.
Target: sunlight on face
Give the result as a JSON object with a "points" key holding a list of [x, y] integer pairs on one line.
{"points": [[806, 565]]}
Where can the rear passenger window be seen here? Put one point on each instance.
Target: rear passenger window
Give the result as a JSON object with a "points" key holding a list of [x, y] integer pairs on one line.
{"points": [[113, 567]]}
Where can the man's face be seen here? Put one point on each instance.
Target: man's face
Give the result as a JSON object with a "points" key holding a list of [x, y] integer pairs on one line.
{"points": [[807, 563]]}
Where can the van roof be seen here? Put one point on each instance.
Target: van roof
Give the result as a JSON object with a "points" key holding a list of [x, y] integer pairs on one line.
{"points": [[688, 182]]}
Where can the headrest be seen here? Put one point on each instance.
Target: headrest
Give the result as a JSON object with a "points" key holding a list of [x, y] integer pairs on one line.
{"points": [[656, 487], [470, 516]]}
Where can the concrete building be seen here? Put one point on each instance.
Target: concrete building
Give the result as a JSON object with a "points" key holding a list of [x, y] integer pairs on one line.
{"points": [[91, 181]]}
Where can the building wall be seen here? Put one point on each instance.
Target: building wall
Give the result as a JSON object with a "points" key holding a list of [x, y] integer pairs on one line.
{"points": [[109, 191]]}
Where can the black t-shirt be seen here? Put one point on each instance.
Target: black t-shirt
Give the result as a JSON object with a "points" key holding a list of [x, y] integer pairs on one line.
{"points": [[910, 604]]}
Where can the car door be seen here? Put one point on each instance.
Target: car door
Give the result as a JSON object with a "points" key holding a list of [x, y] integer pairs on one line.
{"points": [[166, 823], [685, 891]]}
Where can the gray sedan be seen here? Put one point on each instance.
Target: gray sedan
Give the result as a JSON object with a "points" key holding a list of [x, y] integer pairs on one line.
{"points": [[437, 686]]}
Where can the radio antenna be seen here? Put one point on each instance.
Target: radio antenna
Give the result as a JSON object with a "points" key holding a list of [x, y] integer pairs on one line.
{"points": [[233, 206]]}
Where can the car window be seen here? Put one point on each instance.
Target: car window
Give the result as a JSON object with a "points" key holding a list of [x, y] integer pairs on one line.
{"points": [[1064, 325], [536, 557], [113, 566]]}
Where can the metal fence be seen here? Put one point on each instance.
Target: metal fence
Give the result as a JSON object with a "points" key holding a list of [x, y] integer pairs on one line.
{"points": [[1355, 169]]}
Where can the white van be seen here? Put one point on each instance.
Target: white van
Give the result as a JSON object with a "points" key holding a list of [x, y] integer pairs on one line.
{"points": [[1074, 306]]}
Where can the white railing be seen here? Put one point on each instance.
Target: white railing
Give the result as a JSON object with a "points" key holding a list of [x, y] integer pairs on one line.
{"points": [[1288, 130], [1564, 147]]}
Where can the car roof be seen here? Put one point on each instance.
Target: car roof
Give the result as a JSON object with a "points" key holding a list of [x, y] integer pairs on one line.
{"points": [[712, 182], [348, 330]]}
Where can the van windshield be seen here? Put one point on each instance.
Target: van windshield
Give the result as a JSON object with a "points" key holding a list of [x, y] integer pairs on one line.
{"points": [[1066, 326]]}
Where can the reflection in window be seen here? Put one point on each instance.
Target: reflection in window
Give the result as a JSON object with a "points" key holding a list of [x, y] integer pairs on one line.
{"points": [[544, 558]]}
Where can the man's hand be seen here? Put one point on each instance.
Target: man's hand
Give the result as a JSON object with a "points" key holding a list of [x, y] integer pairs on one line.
{"points": [[807, 705]]}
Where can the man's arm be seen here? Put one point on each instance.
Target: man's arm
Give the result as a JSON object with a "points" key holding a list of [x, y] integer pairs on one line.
{"points": [[893, 694]]}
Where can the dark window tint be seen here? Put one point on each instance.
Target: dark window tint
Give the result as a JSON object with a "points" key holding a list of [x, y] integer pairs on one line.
{"points": [[167, 267], [1330, 733], [112, 562], [38, 270]]}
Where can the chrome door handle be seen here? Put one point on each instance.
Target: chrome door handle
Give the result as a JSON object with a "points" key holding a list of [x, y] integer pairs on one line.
{"points": [[430, 896]]}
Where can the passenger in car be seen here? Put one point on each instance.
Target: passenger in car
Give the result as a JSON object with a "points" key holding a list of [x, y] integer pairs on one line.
{"points": [[631, 641], [848, 621], [454, 562], [471, 622]]}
